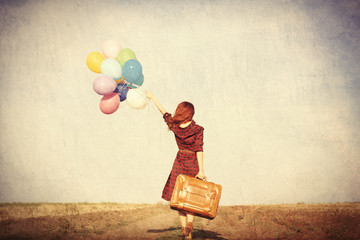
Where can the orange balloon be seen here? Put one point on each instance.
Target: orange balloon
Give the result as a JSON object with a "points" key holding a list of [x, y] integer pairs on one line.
{"points": [[94, 60], [122, 79]]}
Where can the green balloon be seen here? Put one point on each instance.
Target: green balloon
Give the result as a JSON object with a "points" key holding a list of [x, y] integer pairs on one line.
{"points": [[124, 55]]}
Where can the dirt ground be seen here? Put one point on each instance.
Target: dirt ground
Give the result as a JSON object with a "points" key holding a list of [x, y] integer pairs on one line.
{"points": [[143, 221]]}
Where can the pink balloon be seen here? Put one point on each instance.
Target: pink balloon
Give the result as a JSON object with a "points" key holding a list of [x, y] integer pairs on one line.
{"points": [[104, 85], [109, 103], [111, 48]]}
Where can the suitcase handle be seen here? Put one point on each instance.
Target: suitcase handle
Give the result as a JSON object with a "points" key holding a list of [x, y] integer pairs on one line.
{"points": [[205, 178]]}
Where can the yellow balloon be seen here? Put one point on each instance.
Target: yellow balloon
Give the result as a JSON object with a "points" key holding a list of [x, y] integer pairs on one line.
{"points": [[94, 60]]}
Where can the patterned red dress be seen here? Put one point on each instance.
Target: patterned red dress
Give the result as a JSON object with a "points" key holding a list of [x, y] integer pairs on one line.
{"points": [[189, 138]]}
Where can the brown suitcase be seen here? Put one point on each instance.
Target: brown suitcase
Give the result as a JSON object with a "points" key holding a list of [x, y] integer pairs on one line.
{"points": [[196, 196]]}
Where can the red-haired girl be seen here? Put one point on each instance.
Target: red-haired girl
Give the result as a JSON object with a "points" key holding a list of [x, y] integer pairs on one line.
{"points": [[189, 159]]}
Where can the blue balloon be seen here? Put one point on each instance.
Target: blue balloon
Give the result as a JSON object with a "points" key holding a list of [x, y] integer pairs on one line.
{"points": [[136, 83], [132, 70], [122, 89]]}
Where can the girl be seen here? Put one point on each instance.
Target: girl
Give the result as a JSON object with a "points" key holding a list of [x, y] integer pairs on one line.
{"points": [[189, 159]]}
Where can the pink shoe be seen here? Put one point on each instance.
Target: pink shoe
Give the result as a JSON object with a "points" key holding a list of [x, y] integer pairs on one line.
{"points": [[189, 231], [184, 232]]}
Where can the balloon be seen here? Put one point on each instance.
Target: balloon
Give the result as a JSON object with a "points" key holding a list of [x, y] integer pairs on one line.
{"points": [[136, 98], [104, 85], [109, 103], [122, 89], [136, 83], [122, 79], [132, 70], [111, 48], [111, 68], [124, 55], [94, 60]]}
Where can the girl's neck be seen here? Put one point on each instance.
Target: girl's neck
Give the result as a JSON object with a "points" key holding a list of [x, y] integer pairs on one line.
{"points": [[184, 125]]}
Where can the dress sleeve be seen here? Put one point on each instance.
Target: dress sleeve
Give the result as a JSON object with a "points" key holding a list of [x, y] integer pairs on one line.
{"points": [[168, 118], [199, 142]]}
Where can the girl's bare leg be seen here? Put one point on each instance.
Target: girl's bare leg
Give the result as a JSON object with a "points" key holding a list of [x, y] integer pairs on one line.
{"points": [[189, 227], [190, 217], [182, 217]]}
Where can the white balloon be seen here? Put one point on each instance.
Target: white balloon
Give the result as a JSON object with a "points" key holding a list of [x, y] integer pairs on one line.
{"points": [[111, 48], [136, 98]]}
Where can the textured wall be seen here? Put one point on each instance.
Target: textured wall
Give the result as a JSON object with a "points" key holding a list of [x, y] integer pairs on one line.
{"points": [[275, 84]]}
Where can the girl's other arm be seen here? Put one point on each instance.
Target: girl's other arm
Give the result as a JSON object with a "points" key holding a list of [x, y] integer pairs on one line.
{"points": [[200, 158]]}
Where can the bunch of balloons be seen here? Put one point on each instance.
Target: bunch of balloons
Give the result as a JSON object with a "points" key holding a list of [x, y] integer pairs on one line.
{"points": [[121, 77]]}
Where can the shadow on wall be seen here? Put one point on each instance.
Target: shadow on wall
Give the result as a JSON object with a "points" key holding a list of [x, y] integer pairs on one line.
{"points": [[13, 3]]}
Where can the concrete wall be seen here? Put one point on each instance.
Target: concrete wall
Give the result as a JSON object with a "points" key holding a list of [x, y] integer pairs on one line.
{"points": [[275, 84]]}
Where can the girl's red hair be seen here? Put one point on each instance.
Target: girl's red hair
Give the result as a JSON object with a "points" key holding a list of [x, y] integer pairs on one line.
{"points": [[183, 114]]}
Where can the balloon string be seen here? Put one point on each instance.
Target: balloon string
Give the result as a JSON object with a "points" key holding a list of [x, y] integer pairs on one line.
{"points": [[123, 87], [131, 84]]}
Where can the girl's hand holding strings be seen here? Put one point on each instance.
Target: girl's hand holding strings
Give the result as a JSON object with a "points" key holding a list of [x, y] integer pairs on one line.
{"points": [[149, 95]]}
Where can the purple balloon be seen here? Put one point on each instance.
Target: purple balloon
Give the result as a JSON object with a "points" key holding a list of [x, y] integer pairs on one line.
{"points": [[104, 85]]}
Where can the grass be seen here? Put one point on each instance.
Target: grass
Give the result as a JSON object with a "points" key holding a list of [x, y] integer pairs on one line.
{"points": [[88, 220]]}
